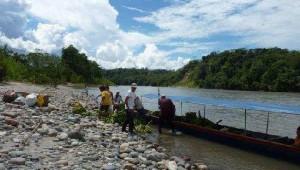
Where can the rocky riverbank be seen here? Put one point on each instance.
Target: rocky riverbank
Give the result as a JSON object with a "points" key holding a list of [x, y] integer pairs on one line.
{"points": [[54, 138]]}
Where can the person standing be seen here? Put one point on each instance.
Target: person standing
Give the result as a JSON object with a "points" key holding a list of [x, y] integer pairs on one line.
{"points": [[117, 101], [130, 107], [112, 98], [106, 101], [167, 113]]}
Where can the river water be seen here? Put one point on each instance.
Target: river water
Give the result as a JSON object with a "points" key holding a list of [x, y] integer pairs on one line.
{"points": [[214, 154]]}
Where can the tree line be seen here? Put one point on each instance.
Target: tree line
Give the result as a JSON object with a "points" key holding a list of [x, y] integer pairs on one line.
{"points": [[43, 68], [271, 69]]}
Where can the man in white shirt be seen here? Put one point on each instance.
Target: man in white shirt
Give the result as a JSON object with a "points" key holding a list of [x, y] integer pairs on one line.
{"points": [[130, 106]]}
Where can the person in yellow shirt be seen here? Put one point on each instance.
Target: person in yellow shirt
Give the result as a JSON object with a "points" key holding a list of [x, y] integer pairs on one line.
{"points": [[106, 101], [297, 139]]}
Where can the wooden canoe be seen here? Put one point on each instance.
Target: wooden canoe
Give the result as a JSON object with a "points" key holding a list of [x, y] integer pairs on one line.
{"points": [[262, 146]]}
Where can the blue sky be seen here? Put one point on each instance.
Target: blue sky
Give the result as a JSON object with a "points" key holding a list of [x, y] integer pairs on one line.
{"points": [[148, 33]]}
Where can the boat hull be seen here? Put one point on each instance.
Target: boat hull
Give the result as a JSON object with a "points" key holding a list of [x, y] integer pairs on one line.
{"points": [[266, 147]]}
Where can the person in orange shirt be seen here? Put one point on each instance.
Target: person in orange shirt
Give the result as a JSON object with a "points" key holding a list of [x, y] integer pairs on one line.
{"points": [[297, 139]]}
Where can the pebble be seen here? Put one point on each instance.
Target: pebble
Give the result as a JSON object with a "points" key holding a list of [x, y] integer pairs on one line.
{"points": [[14, 154], [2, 166], [124, 147], [62, 136], [10, 114], [109, 167], [17, 161]]}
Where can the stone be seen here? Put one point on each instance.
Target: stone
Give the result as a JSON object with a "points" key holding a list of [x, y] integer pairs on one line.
{"points": [[129, 166], [43, 131], [91, 158], [10, 114], [52, 132], [62, 136], [62, 163], [17, 161], [109, 167], [115, 139], [154, 157], [3, 133], [76, 134], [75, 143], [171, 165], [2, 166], [201, 166], [140, 149], [93, 138], [123, 155], [134, 154], [131, 160], [14, 154], [12, 122], [124, 147]]}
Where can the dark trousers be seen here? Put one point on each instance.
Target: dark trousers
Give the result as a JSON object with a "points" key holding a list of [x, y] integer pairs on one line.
{"points": [[168, 122], [129, 120]]}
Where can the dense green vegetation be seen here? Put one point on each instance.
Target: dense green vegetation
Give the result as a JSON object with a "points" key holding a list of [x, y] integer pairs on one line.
{"points": [[271, 69], [43, 68], [145, 77], [257, 69]]}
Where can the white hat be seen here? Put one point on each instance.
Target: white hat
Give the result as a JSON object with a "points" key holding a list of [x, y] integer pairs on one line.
{"points": [[133, 85], [163, 95]]}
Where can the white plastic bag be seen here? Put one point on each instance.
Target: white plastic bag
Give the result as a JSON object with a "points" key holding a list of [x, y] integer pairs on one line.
{"points": [[31, 99]]}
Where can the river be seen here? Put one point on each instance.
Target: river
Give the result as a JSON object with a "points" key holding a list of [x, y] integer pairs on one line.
{"points": [[214, 154]]}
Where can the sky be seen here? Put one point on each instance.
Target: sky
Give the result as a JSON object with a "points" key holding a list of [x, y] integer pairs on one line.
{"points": [[154, 34]]}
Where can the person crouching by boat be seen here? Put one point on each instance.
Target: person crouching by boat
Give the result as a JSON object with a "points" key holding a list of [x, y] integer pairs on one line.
{"points": [[167, 113], [117, 102], [297, 139], [105, 103], [130, 107]]}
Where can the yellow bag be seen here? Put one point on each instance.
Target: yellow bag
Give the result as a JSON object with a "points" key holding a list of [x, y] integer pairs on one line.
{"points": [[42, 100]]}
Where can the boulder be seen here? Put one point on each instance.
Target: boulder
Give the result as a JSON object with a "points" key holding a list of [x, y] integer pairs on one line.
{"points": [[76, 134], [12, 122], [171, 165], [9, 97]]}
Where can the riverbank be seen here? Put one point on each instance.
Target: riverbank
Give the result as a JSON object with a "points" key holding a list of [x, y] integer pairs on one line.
{"points": [[54, 138]]}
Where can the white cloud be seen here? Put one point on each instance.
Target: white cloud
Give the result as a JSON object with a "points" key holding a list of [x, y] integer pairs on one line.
{"points": [[135, 9], [152, 57], [264, 23], [184, 27], [13, 17]]}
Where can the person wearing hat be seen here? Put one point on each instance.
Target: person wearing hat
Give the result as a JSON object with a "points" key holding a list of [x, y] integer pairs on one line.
{"points": [[167, 113], [130, 107]]}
